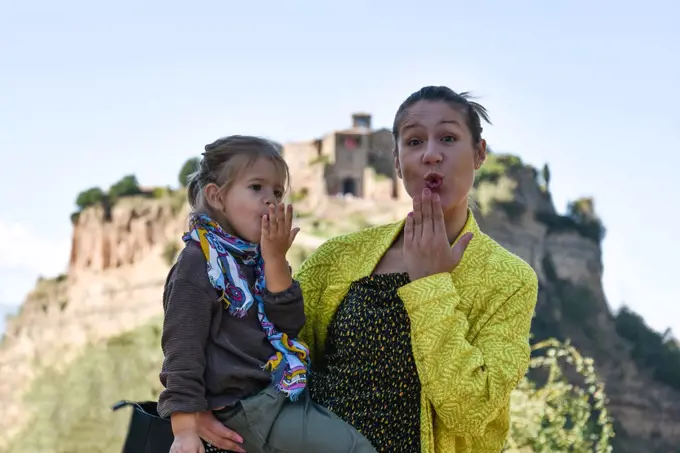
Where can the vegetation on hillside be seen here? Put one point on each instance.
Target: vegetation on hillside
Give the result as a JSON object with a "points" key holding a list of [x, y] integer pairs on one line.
{"points": [[189, 167], [652, 351], [72, 407], [73, 415], [497, 165], [125, 187]]}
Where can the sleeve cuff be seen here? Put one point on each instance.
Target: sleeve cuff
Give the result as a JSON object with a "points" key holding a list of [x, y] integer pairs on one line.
{"points": [[292, 294], [420, 294], [167, 405]]}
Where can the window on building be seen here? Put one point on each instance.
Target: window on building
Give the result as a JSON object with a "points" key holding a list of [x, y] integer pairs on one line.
{"points": [[351, 143]]}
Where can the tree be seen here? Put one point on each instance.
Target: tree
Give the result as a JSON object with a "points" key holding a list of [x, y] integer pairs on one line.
{"points": [[90, 197], [189, 167], [582, 212], [546, 177], [127, 186]]}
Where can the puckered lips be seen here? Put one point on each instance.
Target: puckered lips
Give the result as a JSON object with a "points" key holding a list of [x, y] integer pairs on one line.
{"points": [[434, 181]]}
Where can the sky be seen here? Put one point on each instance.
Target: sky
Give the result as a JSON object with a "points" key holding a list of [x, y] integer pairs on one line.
{"points": [[90, 92]]}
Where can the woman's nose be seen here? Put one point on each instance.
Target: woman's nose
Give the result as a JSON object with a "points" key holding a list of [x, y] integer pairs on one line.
{"points": [[432, 155]]}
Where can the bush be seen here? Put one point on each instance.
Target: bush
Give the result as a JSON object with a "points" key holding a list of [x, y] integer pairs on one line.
{"points": [[127, 186], [589, 229], [299, 195], [90, 197], [558, 416], [160, 192], [170, 253], [497, 165], [72, 407], [513, 209], [189, 167], [650, 350]]}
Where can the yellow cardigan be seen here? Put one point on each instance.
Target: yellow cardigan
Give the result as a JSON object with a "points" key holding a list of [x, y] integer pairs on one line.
{"points": [[469, 330]]}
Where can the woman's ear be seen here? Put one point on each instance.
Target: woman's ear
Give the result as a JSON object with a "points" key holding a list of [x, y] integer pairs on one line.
{"points": [[213, 196], [397, 164], [480, 154]]}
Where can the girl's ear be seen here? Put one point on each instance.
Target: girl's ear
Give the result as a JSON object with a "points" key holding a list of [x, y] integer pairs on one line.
{"points": [[213, 196]]}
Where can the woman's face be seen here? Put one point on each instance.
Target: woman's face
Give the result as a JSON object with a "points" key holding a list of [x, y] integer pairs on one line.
{"points": [[435, 150]]}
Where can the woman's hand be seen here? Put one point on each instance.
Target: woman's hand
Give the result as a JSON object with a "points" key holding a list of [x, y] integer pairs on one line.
{"points": [[213, 431], [187, 442], [426, 247], [278, 233]]}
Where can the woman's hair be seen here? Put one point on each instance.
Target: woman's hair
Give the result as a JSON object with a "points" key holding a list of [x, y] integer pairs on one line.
{"points": [[225, 159], [473, 111]]}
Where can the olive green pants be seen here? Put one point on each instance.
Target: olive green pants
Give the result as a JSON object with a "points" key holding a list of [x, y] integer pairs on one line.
{"points": [[270, 423]]}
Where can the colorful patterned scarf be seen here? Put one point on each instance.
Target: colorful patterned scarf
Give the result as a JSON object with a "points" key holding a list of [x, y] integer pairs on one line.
{"points": [[290, 361]]}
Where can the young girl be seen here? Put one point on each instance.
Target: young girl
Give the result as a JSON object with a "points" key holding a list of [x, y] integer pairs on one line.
{"points": [[233, 311]]}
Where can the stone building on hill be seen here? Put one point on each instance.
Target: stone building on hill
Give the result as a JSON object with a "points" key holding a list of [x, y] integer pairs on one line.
{"points": [[357, 161]]}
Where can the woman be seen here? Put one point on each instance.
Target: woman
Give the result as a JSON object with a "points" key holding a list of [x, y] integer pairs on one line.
{"points": [[419, 330]]}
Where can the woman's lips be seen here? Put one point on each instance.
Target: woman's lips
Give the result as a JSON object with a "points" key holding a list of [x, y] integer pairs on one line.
{"points": [[433, 181]]}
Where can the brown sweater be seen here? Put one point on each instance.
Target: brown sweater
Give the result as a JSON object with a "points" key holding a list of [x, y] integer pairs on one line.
{"points": [[212, 358]]}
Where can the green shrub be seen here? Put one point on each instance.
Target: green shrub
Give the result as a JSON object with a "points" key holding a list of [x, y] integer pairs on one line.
{"points": [[497, 165], [320, 160], [72, 407], [127, 186], [589, 229], [170, 253], [299, 195], [189, 167], [558, 416], [90, 197], [161, 192], [513, 209], [650, 350]]}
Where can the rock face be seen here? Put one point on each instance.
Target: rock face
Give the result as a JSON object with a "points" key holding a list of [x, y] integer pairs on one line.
{"points": [[120, 258], [115, 278]]}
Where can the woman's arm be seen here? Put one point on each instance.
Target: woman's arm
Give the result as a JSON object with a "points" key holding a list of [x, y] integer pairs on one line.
{"points": [[468, 384], [313, 277]]}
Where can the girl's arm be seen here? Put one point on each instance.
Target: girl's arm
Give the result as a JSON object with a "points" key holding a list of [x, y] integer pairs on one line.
{"points": [[468, 384], [186, 324], [283, 303]]}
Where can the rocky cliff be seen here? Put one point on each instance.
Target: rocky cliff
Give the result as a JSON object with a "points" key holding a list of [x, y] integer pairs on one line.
{"points": [[120, 257]]}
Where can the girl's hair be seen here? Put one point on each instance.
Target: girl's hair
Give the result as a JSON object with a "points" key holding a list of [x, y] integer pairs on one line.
{"points": [[473, 111], [225, 159]]}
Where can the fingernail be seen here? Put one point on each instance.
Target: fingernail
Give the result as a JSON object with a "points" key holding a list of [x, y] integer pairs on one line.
{"points": [[410, 214], [426, 191]]}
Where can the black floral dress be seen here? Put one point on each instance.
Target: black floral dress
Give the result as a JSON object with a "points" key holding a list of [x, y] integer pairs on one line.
{"points": [[368, 375]]}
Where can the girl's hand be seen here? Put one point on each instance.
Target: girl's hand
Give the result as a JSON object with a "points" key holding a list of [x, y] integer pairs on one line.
{"points": [[277, 232], [426, 247], [187, 442]]}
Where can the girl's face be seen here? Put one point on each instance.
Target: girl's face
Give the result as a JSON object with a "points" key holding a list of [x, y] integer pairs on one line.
{"points": [[435, 150], [248, 198]]}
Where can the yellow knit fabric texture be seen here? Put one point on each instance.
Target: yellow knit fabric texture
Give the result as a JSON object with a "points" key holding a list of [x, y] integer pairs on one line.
{"points": [[469, 330]]}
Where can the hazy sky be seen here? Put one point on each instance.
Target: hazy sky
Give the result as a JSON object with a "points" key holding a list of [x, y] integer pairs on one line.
{"points": [[91, 92]]}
